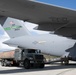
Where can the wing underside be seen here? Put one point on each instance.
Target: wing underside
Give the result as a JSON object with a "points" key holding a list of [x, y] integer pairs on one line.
{"points": [[49, 17]]}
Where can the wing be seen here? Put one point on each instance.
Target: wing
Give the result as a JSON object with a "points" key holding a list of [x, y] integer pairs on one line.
{"points": [[49, 17]]}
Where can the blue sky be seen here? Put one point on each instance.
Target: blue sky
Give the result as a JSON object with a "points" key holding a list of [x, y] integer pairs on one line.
{"points": [[1, 32], [64, 3]]}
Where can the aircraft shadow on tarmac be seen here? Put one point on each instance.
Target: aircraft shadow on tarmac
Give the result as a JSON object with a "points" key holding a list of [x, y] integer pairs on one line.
{"points": [[12, 71]]}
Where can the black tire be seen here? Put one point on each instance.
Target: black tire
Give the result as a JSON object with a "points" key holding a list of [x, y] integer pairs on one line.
{"points": [[5, 64], [41, 66], [66, 62], [26, 64]]}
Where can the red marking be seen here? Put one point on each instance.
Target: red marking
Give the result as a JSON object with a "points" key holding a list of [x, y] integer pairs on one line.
{"points": [[11, 22]]}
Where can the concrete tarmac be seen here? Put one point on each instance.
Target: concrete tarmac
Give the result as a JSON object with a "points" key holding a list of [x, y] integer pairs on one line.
{"points": [[53, 69]]}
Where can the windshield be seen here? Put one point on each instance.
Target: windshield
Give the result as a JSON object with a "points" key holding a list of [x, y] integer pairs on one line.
{"points": [[32, 51]]}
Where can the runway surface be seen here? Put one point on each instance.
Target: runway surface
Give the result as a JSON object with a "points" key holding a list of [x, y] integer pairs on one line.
{"points": [[53, 69]]}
